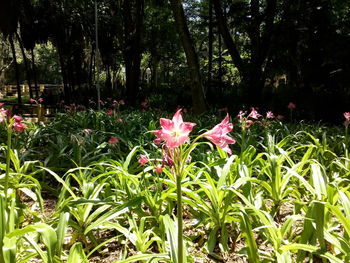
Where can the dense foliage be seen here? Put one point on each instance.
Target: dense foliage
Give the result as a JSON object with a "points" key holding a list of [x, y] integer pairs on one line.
{"points": [[282, 196]]}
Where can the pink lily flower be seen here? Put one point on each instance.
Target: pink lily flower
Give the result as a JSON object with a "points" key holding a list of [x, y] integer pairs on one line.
{"points": [[347, 115], [270, 115], [109, 112], [174, 132], [18, 118], [3, 114], [241, 115], [143, 160], [218, 135], [121, 102], [31, 100], [291, 106], [144, 103], [40, 100], [254, 114], [113, 141], [19, 126]]}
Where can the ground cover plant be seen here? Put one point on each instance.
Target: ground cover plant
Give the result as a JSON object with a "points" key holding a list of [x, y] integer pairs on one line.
{"points": [[131, 186]]}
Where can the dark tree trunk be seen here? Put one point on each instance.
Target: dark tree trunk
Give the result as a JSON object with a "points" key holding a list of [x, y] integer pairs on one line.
{"points": [[198, 100], [225, 33], [133, 12], [154, 72], [66, 86], [25, 60], [34, 75], [91, 66], [252, 72], [19, 92], [210, 92]]}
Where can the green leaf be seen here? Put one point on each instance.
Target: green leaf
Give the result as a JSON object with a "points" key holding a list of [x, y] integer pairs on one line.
{"points": [[253, 255], [76, 254], [61, 232]]}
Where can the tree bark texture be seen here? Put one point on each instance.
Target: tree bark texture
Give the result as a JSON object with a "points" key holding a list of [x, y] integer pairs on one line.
{"points": [[25, 60], [198, 99], [252, 71], [19, 91], [133, 12]]}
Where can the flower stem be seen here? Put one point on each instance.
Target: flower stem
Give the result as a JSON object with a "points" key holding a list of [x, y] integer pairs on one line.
{"points": [[180, 252], [8, 159]]}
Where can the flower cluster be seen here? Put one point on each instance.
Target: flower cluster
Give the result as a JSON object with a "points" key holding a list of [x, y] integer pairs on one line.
{"points": [[18, 126], [144, 159], [15, 123], [176, 132], [40, 100]]}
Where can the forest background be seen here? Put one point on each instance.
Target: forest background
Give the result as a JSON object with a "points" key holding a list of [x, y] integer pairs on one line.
{"points": [[194, 53]]}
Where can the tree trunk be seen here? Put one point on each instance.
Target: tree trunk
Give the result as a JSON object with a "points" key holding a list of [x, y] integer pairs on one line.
{"points": [[252, 72], [154, 72], [210, 92], [34, 75], [225, 33], [25, 60], [198, 100], [133, 21], [66, 86], [19, 92]]}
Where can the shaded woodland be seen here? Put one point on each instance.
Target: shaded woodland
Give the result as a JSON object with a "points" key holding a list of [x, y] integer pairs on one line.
{"points": [[204, 54]]}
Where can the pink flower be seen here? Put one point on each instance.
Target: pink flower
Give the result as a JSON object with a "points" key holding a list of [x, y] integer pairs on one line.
{"points": [[122, 102], [218, 135], [143, 160], [1, 104], [166, 156], [144, 103], [248, 123], [19, 126], [3, 114], [18, 118], [113, 141], [347, 115], [109, 112], [119, 120], [159, 168], [241, 114], [270, 115], [40, 100], [254, 114], [157, 141], [280, 117], [291, 106], [174, 132], [31, 100]]}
